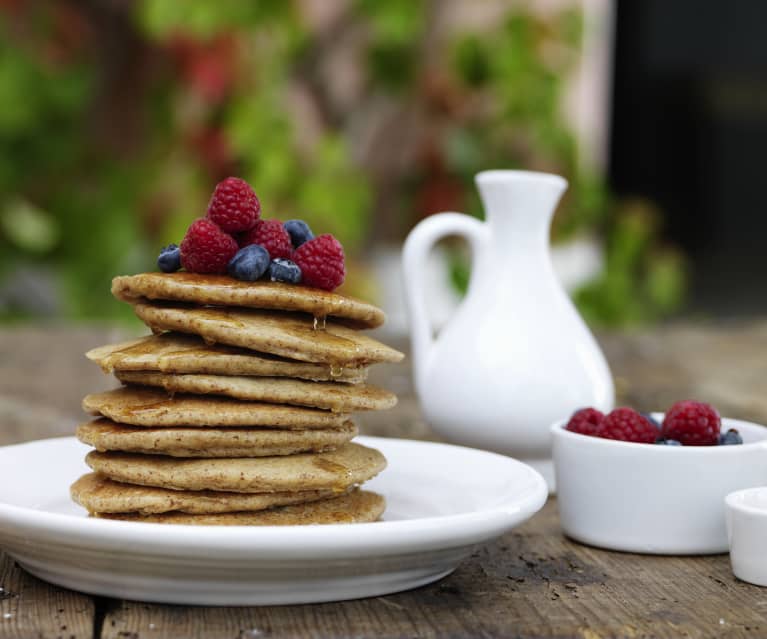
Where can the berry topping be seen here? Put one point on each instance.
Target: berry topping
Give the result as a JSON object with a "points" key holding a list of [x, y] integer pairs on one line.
{"points": [[234, 206], [585, 421], [169, 260], [626, 425], [730, 438], [282, 270], [272, 236], [321, 261], [692, 424], [250, 263], [299, 232], [206, 248]]}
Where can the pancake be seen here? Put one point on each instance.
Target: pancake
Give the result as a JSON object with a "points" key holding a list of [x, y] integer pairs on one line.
{"points": [[288, 335], [359, 506], [104, 435], [155, 408], [274, 390], [337, 470], [220, 290], [188, 354], [97, 494]]}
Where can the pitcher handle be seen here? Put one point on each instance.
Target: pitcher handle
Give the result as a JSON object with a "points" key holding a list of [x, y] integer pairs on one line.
{"points": [[415, 251]]}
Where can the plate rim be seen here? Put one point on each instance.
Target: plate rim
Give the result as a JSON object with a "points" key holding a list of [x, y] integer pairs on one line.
{"points": [[265, 542]]}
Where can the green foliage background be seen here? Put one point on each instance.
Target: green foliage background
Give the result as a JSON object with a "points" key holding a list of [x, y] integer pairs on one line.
{"points": [[107, 153]]}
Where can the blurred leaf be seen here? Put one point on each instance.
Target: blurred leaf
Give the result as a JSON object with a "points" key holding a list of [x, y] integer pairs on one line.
{"points": [[392, 64], [29, 228], [666, 281], [569, 25], [471, 61], [203, 18], [394, 20]]}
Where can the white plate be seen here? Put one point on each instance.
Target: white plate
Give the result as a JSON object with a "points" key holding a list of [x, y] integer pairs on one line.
{"points": [[442, 501]]}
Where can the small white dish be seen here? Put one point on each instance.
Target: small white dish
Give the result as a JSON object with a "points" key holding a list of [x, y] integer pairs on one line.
{"points": [[653, 499], [442, 500], [746, 512]]}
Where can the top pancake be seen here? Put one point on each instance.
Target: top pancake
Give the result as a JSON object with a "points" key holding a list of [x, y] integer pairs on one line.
{"points": [[220, 290]]}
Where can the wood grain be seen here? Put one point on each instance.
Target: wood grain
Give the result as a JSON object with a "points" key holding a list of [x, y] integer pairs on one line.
{"points": [[32, 608], [531, 583]]}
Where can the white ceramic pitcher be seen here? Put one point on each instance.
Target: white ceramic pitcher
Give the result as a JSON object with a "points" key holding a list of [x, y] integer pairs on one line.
{"points": [[516, 356]]}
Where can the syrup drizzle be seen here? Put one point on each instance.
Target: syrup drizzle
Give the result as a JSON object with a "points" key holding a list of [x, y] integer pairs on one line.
{"points": [[320, 323], [342, 476], [336, 370]]}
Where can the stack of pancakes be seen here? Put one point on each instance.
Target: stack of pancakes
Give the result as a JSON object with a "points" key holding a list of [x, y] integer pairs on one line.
{"points": [[236, 409]]}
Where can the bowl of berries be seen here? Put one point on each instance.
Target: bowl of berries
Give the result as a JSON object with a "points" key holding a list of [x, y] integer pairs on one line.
{"points": [[652, 482]]}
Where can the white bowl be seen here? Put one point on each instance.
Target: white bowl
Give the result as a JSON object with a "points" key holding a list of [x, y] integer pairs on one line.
{"points": [[746, 512], [653, 499]]}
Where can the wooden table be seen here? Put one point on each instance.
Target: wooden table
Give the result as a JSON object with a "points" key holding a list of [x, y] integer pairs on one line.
{"points": [[531, 583]]}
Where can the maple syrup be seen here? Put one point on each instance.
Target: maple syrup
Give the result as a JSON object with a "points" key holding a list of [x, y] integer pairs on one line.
{"points": [[342, 476], [217, 315], [336, 370]]}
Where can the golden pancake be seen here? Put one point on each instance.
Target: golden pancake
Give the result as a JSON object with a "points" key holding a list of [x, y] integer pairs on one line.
{"points": [[221, 290], [273, 390], [104, 435], [346, 466], [188, 354], [98, 494], [140, 406], [288, 335], [359, 506]]}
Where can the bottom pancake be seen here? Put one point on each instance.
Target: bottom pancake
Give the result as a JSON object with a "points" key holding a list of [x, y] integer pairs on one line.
{"points": [[98, 494], [359, 506]]}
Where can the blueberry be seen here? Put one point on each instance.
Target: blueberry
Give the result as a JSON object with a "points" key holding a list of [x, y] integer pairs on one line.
{"points": [[282, 270], [652, 420], [169, 260], [249, 263], [299, 232], [730, 438], [668, 442]]}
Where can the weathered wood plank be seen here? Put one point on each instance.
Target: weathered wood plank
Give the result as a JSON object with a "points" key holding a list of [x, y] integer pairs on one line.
{"points": [[532, 583], [32, 608]]}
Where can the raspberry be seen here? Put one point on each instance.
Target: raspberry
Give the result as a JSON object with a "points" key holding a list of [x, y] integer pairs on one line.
{"points": [[206, 248], [692, 424], [585, 421], [626, 425], [272, 236], [234, 206], [321, 261]]}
